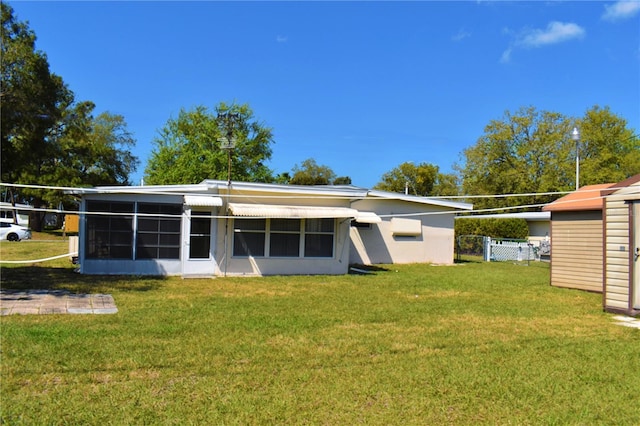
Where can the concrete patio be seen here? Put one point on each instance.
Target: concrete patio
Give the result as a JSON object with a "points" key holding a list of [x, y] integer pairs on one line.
{"points": [[42, 302]]}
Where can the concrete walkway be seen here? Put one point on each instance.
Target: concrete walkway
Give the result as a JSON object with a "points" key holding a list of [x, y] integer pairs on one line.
{"points": [[40, 302]]}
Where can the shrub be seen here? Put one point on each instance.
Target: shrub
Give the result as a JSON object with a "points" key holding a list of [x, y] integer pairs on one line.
{"points": [[491, 227]]}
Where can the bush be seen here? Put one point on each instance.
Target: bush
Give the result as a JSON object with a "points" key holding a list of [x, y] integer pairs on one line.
{"points": [[494, 228]]}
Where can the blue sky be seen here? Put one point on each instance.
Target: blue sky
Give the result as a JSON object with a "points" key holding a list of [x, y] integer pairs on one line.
{"points": [[359, 86]]}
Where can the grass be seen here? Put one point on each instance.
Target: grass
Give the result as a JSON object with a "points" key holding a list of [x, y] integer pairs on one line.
{"points": [[410, 344]]}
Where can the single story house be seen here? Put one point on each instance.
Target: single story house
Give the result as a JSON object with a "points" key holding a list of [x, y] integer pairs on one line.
{"points": [[622, 247], [219, 228], [576, 239]]}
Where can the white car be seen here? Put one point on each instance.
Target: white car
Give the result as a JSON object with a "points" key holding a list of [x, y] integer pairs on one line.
{"points": [[12, 232]]}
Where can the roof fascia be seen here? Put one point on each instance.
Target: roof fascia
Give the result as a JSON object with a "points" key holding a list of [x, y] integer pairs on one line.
{"points": [[420, 200], [317, 190]]}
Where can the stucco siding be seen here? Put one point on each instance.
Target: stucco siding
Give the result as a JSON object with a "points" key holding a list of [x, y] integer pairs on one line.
{"points": [[379, 245]]}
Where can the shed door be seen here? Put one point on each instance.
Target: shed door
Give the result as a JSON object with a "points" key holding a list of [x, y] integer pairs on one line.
{"points": [[635, 255]]}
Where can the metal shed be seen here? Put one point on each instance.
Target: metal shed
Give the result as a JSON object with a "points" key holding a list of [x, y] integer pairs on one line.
{"points": [[576, 239], [622, 247]]}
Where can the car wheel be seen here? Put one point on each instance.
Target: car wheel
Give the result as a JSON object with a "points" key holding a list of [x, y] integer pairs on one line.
{"points": [[13, 237]]}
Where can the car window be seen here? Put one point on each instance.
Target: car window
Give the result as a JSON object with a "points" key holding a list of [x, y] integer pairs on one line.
{"points": [[5, 225]]}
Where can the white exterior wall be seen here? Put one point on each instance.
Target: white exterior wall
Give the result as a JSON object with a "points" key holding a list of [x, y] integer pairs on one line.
{"points": [[378, 245], [126, 266], [618, 250], [258, 266]]}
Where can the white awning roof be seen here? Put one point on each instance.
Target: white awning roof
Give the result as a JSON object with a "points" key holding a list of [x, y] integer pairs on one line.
{"points": [[290, 212], [367, 217], [202, 201]]}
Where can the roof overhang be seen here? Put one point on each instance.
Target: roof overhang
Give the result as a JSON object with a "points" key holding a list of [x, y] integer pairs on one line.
{"points": [[202, 201], [290, 212], [367, 217]]}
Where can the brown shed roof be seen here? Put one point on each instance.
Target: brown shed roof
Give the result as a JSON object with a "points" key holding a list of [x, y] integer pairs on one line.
{"points": [[586, 198]]}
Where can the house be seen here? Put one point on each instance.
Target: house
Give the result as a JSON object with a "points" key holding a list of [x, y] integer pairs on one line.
{"points": [[622, 247], [8, 211], [576, 239], [412, 229], [216, 228]]}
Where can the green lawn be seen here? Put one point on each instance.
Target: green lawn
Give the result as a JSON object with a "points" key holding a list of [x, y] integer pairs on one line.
{"points": [[411, 344]]}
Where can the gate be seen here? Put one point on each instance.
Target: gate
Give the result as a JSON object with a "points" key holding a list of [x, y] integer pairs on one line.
{"points": [[470, 246], [504, 250]]}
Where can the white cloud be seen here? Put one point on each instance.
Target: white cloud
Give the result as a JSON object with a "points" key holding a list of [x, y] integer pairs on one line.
{"points": [[281, 39], [621, 10], [506, 56], [461, 35], [556, 32]]}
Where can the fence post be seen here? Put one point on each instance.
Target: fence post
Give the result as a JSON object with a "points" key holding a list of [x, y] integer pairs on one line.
{"points": [[487, 249]]}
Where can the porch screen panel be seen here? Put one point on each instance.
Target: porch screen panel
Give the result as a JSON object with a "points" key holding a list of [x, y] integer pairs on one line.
{"points": [[158, 232], [109, 230]]}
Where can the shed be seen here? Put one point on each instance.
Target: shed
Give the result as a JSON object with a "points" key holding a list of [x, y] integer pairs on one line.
{"points": [[576, 239], [622, 247]]}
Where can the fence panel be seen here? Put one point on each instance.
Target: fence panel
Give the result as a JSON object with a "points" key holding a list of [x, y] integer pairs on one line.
{"points": [[470, 245], [511, 250]]}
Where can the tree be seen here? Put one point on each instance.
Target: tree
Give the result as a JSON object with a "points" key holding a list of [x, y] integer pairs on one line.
{"points": [[609, 151], [33, 102], [188, 150], [311, 173], [422, 179], [531, 151], [93, 150], [47, 138]]}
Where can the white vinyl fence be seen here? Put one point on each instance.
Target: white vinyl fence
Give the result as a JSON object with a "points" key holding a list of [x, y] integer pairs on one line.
{"points": [[503, 250]]}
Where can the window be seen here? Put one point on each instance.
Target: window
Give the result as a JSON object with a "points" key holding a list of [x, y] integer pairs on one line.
{"points": [[319, 237], [249, 236], [110, 230], [283, 237], [200, 235], [158, 232]]}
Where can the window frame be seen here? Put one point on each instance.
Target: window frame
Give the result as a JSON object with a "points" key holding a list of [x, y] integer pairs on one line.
{"points": [[268, 232], [161, 222], [108, 228]]}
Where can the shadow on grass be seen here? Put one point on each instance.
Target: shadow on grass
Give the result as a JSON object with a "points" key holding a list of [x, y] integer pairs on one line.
{"points": [[357, 269], [65, 279]]}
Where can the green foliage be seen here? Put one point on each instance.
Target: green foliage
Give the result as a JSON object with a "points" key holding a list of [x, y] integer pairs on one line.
{"points": [[422, 179], [188, 151], [531, 151], [609, 151], [47, 138], [33, 103], [492, 227], [311, 173]]}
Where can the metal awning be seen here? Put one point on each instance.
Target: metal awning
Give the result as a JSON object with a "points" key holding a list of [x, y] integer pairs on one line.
{"points": [[202, 201], [290, 212], [367, 217]]}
